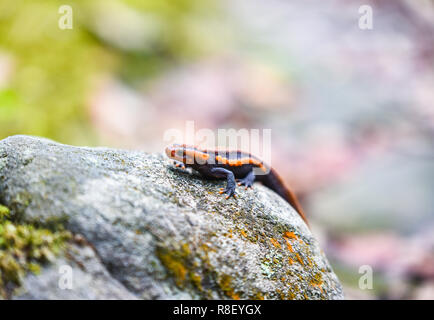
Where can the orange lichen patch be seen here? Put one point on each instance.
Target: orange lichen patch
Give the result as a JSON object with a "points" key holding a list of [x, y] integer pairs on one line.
{"points": [[243, 233], [317, 286], [229, 234], [317, 282], [299, 258], [290, 296], [290, 235], [289, 245], [290, 260], [309, 261], [275, 243]]}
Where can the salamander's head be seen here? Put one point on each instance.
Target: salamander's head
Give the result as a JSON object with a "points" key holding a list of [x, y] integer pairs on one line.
{"points": [[186, 154], [175, 152], [181, 153]]}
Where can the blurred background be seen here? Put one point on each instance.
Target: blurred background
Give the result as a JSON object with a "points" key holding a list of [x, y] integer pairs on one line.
{"points": [[351, 110]]}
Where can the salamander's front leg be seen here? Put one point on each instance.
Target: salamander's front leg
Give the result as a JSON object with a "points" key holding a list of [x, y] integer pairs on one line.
{"points": [[247, 180], [231, 185]]}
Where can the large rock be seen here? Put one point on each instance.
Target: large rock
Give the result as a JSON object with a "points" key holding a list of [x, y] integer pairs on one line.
{"points": [[158, 233], [89, 279]]}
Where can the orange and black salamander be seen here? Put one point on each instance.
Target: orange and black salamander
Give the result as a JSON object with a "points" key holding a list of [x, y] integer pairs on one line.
{"points": [[232, 165]]}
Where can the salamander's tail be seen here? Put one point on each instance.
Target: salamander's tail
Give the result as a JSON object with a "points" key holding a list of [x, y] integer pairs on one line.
{"points": [[275, 182]]}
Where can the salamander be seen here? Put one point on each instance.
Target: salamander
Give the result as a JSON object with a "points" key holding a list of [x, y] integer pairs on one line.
{"points": [[234, 166]]}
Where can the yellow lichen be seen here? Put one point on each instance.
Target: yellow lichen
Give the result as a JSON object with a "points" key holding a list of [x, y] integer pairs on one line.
{"points": [[243, 233], [175, 261], [290, 235], [275, 243], [197, 280], [229, 233], [175, 267], [225, 284], [317, 281], [288, 245], [259, 296], [299, 258]]}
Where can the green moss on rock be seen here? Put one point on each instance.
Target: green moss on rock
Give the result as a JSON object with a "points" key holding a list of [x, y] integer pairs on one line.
{"points": [[23, 248], [4, 212]]}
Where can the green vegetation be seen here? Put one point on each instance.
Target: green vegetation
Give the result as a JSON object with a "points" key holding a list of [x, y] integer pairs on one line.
{"points": [[23, 248], [49, 75]]}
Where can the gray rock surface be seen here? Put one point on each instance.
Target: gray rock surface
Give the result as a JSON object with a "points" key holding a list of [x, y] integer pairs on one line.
{"points": [[78, 275], [155, 232]]}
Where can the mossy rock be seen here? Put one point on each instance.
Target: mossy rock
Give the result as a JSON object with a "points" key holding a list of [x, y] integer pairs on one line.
{"points": [[162, 233], [23, 249]]}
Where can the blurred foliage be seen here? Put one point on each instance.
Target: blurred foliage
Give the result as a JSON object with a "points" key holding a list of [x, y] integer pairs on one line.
{"points": [[54, 70]]}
